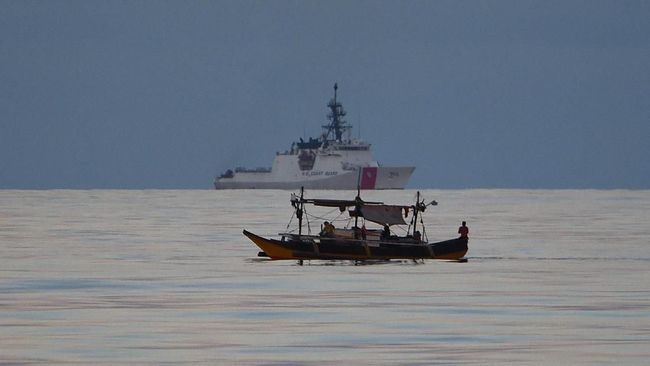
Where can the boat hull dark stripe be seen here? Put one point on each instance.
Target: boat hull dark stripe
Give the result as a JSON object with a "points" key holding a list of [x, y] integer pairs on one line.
{"points": [[332, 247], [387, 250]]}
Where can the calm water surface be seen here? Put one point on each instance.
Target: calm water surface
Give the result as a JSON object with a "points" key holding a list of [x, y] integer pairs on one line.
{"points": [[155, 277]]}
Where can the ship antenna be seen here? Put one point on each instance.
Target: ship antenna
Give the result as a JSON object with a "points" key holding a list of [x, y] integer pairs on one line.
{"points": [[357, 200], [359, 130], [335, 121]]}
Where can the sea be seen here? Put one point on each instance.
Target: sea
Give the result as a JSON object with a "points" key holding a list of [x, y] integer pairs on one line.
{"points": [[165, 277]]}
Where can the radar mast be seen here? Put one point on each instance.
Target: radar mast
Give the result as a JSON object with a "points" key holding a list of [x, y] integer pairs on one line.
{"points": [[337, 125]]}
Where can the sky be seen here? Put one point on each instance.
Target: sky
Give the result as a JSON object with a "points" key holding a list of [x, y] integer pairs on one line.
{"points": [[475, 94]]}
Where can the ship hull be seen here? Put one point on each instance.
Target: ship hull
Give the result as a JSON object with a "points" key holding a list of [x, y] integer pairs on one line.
{"points": [[344, 249], [371, 178]]}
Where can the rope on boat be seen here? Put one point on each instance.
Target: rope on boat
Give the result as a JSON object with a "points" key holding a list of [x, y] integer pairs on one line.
{"points": [[424, 231], [324, 217], [401, 228], [347, 224], [291, 219], [304, 211]]}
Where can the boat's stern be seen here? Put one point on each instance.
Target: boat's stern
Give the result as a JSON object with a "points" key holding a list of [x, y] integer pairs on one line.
{"points": [[454, 249]]}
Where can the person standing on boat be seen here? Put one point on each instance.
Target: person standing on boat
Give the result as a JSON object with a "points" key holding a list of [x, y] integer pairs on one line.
{"points": [[463, 230], [386, 233]]}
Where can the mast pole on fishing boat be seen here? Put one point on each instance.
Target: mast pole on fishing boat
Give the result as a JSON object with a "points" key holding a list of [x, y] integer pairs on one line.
{"points": [[415, 214], [299, 211]]}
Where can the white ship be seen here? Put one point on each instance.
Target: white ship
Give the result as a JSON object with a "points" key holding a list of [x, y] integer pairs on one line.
{"points": [[328, 162]]}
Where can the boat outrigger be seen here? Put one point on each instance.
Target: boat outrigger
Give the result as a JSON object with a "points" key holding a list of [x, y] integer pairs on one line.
{"points": [[356, 242]]}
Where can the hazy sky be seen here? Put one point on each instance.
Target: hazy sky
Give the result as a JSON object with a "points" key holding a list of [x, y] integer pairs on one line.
{"points": [[167, 94]]}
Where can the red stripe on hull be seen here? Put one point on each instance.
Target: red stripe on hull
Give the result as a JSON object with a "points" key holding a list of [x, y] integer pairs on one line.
{"points": [[368, 178]]}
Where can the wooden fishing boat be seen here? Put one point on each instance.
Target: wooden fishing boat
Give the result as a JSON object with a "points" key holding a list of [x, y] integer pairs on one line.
{"points": [[356, 242]]}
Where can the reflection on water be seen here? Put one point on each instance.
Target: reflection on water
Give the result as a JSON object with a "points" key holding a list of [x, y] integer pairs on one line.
{"points": [[154, 277]]}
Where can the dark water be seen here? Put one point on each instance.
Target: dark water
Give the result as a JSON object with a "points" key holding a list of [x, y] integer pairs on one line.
{"points": [[156, 277]]}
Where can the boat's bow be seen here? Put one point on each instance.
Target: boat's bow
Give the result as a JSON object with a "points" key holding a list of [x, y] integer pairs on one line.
{"points": [[273, 248]]}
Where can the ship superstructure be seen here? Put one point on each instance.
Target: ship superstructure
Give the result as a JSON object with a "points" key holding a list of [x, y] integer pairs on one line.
{"points": [[331, 161]]}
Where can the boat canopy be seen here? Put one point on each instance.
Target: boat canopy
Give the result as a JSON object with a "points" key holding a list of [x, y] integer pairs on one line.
{"points": [[376, 212], [382, 214]]}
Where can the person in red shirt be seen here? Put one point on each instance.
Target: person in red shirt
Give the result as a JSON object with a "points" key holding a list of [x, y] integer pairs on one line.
{"points": [[463, 230]]}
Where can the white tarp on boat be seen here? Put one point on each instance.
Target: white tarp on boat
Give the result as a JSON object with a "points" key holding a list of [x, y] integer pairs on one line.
{"points": [[384, 214]]}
